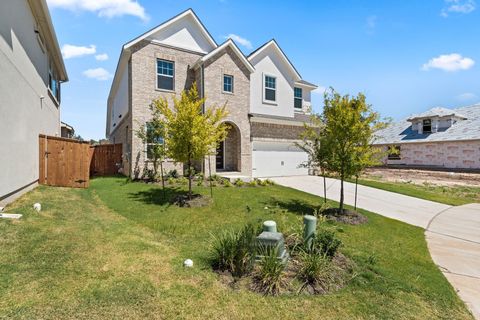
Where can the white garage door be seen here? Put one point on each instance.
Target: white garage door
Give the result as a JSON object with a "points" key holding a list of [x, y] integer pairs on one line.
{"points": [[275, 159]]}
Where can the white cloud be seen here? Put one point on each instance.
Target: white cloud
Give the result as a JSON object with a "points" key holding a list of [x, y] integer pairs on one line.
{"points": [[104, 8], [458, 6], [371, 23], [72, 51], [98, 74], [449, 62], [242, 41], [101, 57], [467, 96]]}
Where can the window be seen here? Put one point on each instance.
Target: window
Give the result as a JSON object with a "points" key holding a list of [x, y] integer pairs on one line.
{"points": [[53, 83], [227, 83], [394, 153], [165, 75], [427, 126], [297, 98], [153, 140], [270, 88]]}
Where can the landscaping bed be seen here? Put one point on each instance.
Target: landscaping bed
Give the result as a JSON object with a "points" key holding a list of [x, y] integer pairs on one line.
{"points": [[116, 250]]}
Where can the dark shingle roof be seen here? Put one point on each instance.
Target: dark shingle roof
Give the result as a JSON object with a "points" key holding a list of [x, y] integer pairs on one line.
{"points": [[401, 132]]}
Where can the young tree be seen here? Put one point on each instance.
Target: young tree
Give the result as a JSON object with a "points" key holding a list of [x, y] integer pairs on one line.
{"points": [[191, 132], [153, 136], [350, 124], [311, 143]]}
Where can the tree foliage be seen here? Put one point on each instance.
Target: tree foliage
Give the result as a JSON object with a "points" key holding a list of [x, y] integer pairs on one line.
{"points": [[191, 133]]}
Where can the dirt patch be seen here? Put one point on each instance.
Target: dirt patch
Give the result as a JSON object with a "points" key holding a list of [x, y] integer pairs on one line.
{"points": [[346, 216], [196, 201], [420, 177]]}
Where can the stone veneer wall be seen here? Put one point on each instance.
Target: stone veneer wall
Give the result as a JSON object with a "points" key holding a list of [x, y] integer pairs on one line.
{"points": [[276, 131], [237, 105], [455, 154]]}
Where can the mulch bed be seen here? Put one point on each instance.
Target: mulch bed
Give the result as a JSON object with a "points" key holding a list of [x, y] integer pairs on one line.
{"points": [[196, 201], [346, 216]]}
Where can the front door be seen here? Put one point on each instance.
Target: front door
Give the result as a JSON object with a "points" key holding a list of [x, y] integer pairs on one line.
{"points": [[220, 156]]}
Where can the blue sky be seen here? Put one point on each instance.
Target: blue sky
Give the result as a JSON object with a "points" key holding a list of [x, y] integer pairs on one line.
{"points": [[406, 56]]}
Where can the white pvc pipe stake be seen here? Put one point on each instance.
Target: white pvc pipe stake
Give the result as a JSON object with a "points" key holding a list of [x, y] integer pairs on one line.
{"points": [[37, 206]]}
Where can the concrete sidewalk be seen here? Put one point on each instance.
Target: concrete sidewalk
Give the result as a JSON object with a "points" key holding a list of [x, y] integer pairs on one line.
{"points": [[417, 212], [452, 233]]}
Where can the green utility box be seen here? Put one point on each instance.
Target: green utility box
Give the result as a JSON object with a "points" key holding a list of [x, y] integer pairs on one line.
{"points": [[272, 241]]}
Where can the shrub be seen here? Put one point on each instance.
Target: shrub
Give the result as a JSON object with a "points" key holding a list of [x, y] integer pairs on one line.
{"points": [[172, 174], [316, 271], [234, 251], [325, 243], [183, 181], [214, 177], [262, 183], [253, 183], [171, 181], [270, 182], [227, 183], [239, 182], [270, 272]]}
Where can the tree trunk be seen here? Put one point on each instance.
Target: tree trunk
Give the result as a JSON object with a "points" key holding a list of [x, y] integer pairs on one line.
{"points": [[341, 193], [163, 180], [356, 184], [324, 187], [210, 177], [189, 179]]}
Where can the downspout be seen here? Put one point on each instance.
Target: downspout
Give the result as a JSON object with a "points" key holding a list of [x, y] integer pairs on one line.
{"points": [[202, 86]]}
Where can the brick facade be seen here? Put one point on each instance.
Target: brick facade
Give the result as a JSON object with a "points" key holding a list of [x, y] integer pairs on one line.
{"points": [[455, 154], [276, 131]]}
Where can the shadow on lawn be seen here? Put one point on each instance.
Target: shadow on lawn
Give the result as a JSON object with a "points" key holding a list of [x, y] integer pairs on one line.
{"points": [[158, 196], [293, 205]]}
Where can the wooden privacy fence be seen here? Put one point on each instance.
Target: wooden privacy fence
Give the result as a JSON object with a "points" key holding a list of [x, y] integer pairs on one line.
{"points": [[106, 159], [64, 162], [70, 163]]}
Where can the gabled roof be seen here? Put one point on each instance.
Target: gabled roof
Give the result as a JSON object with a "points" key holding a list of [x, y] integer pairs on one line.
{"points": [[187, 13], [273, 44], [436, 112], [306, 84], [401, 132], [229, 43]]}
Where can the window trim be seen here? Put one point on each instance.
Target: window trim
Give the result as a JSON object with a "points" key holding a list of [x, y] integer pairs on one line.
{"points": [[163, 75], [423, 126], [298, 98], [223, 84], [265, 100], [150, 143]]}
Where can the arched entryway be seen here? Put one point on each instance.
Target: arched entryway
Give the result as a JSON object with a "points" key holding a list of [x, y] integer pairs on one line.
{"points": [[228, 156]]}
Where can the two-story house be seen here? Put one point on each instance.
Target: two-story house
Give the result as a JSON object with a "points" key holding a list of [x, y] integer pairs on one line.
{"points": [[32, 71], [267, 99], [439, 137]]}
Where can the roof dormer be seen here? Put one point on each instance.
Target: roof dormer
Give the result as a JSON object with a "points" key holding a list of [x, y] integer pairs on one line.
{"points": [[435, 120]]}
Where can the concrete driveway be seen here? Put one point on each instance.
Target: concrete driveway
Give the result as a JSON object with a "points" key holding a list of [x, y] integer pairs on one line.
{"points": [[452, 233], [411, 210]]}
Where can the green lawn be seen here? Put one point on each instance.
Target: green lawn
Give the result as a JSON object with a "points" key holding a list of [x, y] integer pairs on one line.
{"points": [[452, 195], [116, 250]]}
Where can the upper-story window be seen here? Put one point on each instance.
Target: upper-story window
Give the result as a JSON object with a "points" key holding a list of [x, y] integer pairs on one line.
{"points": [[427, 126], [165, 74], [227, 83], [270, 88], [53, 82], [297, 98]]}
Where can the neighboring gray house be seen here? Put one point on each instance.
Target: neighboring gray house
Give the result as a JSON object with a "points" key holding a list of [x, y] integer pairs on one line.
{"points": [[32, 70], [266, 97], [439, 137]]}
